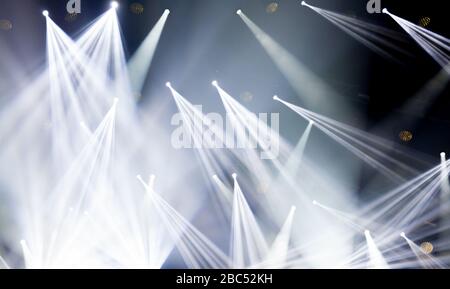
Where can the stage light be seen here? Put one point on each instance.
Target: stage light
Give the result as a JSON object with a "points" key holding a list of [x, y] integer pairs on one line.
{"points": [[214, 176], [314, 202], [234, 175], [303, 3], [116, 100], [45, 13], [385, 11], [137, 8], [167, 11], [275, 97], [168, 84], [311, 122], [366, 232], [427, 247], [405, 135], [272, 7], [239, 12], [424, 21], [114, 4], [214, 83], [442, 155], [403, 235]]}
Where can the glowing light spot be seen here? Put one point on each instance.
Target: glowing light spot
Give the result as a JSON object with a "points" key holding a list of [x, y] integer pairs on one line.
{"points": [[239, 12], [272, 7], [45, 13], [137, 8], [405, 135], [427, 247], [424, 21], [5, 24], [114, 4], [247, 96]]}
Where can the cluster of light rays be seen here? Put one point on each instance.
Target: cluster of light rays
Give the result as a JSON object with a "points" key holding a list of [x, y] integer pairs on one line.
{"points": [[82, 206], [437, 46], [376, 38]]}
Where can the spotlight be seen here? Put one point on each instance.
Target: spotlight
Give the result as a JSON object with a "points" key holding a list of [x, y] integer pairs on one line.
{"points": [[168, 84], [214, 83], [116, 100], [167, 11], [403, 235], [214, 176], [311, 122], [443, 155], [234, 175], [114, 4], [314, 202], [303, 3], [239, 12], [366, 232], [385, 11], [45, 13]]}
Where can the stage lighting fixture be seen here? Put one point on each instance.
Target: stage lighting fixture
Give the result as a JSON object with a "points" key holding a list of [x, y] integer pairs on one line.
{"points": [[424, 21], [238, 12], [385, 11], [137, 8], [272, 7], [427, 247], [366, 232], [214, 176], [303, 3], [405, 135], [45, 13], [234, 175], [168, 84], [311, 122], [403, 235], [214, 83], [167, 11], [443, 155], [275, 97], [314, 202], [114, 4]]}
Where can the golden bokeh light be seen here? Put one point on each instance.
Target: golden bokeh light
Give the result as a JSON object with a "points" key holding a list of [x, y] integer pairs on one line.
{"points": [[5, 24], [272, 7], [427, 247], [405, 135], [424, 21], [137, 8]]}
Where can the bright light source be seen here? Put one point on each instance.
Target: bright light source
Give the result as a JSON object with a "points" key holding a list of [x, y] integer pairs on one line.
{"points": [[366, 232], [167, 11], [214, 82], [116, 100], [385, 11], [443, 155], [234, 175], [214, 176], [114, 4], [275, 97], [311, 122], [403, 235], [314, 203], [45, 13], [168, 84], [303, 3], [239, 12]]}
